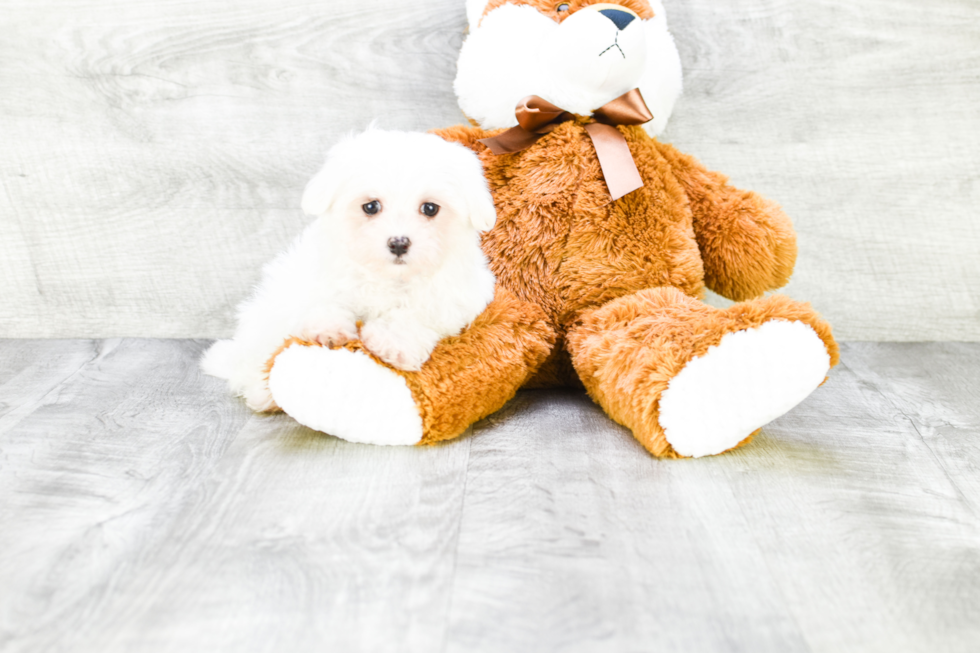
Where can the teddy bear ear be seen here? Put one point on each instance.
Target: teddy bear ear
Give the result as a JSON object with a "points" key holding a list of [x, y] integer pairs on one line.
{"points": [[474, 11], [663, 83]]}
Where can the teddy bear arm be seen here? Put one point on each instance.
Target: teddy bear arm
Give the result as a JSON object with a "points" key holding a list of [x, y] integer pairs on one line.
{"points": [[465, 135], [747, 242], [353, 394]]}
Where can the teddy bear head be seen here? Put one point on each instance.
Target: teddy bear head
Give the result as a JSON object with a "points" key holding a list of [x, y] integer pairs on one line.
{"points": [[576, 54]]}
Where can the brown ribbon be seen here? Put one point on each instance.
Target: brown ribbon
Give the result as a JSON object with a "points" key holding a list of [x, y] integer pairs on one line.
{"points": [[537, 117]]}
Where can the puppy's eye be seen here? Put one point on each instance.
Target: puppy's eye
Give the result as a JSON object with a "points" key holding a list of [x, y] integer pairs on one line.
{"points": [[429, 209], [372, 208], [562, 8]]}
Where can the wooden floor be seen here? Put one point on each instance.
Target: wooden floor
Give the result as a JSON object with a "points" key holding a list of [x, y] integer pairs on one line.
{"points": [[142, 509]]}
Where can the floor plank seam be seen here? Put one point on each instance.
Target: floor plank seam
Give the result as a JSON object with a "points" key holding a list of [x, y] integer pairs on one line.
{"points": [[772, 574], [459, 531], [16, 416], [915, 427]]}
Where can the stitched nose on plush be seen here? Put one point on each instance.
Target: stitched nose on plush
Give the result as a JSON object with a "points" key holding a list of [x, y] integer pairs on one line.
{"points": [[398, 246], [619, 18]]}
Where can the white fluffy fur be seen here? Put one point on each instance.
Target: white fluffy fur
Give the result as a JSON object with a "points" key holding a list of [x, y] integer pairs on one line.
{"points": [[345, 394], [340, 271], [746, 381], [516, 51], [474, 11]]}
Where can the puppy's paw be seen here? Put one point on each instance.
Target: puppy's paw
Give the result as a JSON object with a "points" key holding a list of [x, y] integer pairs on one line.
{"points": [[259, 399], [394, 347], [327, 330]]}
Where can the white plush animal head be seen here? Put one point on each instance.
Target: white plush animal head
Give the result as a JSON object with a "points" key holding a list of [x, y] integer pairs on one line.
{"points": [[577, 54], [399, 203]]}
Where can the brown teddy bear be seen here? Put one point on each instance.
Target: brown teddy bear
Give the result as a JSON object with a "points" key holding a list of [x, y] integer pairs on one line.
{"points": [[604, 244]]}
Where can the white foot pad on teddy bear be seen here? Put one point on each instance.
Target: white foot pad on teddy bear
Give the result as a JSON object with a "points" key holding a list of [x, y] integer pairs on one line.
{"points": [[741, 384], [345, 394]]}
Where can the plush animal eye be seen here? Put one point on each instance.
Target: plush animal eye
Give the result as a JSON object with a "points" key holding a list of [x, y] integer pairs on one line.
{"points": [[429, 209], [372, 208], [563, 7]]}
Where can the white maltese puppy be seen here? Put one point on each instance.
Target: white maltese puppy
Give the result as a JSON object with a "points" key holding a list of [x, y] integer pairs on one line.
{"points": [[393, 259]]}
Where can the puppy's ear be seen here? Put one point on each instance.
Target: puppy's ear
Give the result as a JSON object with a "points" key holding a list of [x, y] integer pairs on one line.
{"points": [[321, 192], [483, 214], [473, 184]]}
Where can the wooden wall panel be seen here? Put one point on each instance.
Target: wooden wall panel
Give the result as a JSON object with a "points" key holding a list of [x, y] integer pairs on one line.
{"points": [[154, 153]]}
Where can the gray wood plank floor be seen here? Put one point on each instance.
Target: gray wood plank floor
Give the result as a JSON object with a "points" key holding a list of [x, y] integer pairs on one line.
{"points": [[142, 509]]}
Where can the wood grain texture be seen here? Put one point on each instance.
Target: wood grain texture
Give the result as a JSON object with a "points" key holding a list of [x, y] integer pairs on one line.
{"points": [[297, 541], [142, 509], [29, 370], [93, 474], [860, 119], [840, 528], [155, 151]]}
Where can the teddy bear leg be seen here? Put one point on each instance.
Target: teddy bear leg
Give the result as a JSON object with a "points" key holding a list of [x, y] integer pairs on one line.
{"points": [[691, 380], [351, 394]]}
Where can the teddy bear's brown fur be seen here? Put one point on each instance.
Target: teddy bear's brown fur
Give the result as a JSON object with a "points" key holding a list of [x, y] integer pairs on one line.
{"points": [[606, 294], [550, 8], [619, 282]]}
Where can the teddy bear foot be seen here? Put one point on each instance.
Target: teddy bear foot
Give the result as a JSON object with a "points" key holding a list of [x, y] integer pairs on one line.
{"points": [[354, 395], [346, 394], [692, 380], [744, 382]]}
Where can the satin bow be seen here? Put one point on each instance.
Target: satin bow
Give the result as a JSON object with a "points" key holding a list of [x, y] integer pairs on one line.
{"points": [[537, 117]]}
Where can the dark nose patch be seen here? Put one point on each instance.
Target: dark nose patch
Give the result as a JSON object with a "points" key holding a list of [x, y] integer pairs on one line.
{"points": [[619, 18], [398, 246]]}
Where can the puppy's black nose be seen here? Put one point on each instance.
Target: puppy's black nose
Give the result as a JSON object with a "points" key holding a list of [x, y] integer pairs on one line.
{"points": [[619, 18], [400, 245]]}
